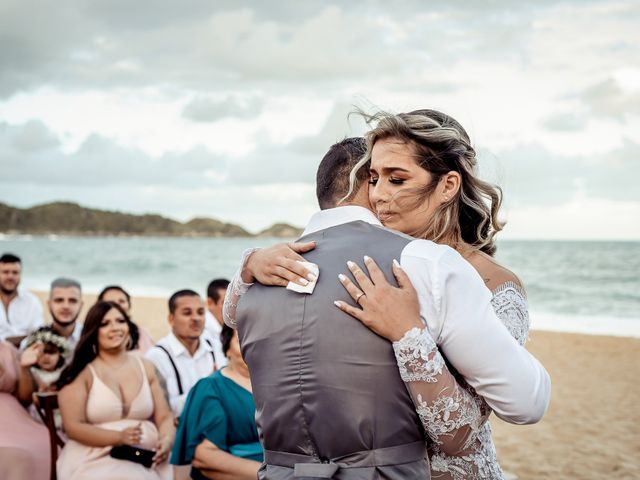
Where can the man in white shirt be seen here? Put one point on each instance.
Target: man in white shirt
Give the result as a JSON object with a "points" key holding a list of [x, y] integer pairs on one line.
{"points": [[21, 311], [184, 356], [65, 303], [213, 322]]}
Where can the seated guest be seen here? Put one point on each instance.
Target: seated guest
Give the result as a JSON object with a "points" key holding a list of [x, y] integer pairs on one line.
{"points": [[54, 349], [21, 310], [109, 397], [52, 352], [213, 321], [183, 357], [217, 432], [117, 294], [24, 444], [65, 304]]}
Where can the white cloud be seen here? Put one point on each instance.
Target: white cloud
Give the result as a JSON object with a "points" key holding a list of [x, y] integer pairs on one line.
{"points": [[203, 109], [186, 97], [580, 218]]}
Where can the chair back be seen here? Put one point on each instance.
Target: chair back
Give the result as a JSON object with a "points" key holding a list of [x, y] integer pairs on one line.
{"points": [[47, 404]]}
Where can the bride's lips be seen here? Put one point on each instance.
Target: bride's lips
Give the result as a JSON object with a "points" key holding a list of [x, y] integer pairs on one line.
{"points": [[385, 216]]}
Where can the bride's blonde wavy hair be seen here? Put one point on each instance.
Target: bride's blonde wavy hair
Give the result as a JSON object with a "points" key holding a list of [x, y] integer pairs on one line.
{"points": [[441, 145]]}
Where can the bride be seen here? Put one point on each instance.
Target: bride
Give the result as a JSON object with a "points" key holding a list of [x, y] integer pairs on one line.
{"points": [[423, 183]]}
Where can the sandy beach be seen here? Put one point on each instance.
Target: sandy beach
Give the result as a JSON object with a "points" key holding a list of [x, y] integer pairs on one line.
{"points": [[592, 428]]}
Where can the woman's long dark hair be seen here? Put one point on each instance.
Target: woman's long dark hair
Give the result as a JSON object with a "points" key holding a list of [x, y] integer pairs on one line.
{"points": [[87, 349]]}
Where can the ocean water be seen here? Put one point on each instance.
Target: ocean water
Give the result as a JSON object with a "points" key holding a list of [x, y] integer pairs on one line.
{"points": [[589, 287]]}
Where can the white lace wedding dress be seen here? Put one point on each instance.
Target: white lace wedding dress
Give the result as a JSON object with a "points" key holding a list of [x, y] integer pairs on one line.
{"points": [[455, 418], [453, 415]]}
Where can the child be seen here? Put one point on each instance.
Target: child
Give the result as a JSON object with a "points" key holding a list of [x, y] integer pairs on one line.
{"points": [[55, 351]]}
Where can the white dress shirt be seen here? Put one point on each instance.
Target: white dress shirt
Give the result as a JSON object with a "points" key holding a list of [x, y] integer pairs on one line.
{"points": [[190, 368], [23, 315], [456, 307], [212, 329]]}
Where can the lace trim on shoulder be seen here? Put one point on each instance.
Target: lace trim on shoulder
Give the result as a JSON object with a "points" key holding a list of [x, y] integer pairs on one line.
{"points": [[510, 304], [509, 285]]}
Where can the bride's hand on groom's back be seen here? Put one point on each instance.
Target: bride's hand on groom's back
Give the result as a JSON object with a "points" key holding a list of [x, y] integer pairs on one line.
{"points": [[278, 265], [387, 310]]}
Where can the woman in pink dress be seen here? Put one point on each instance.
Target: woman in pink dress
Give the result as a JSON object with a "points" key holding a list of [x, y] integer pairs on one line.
{"points": [[110, 397], [117, 294], [24, 443]]}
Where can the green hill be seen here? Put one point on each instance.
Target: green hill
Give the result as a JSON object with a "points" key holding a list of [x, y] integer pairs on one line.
{"points": [[65, 218], [281, 230]]}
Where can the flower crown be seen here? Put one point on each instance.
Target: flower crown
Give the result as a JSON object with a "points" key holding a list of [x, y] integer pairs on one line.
{"points": [[47, 336]]}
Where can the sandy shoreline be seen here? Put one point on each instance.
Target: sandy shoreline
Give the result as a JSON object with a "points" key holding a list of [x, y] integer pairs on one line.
{"points": [[592, 428]]}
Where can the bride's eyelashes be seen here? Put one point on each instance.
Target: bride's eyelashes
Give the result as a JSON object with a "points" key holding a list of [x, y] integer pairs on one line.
{"points": [[395, 181]]}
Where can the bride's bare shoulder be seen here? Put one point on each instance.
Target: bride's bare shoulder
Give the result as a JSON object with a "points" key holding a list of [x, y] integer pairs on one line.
{"points": [[493, 273]]}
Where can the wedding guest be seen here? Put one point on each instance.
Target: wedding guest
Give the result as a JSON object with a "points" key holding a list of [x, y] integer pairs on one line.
{"points": [[21, 310], [184, 356], [53, 351], [109, 397], [49, 364], [24, 444], [65, 303], [217, 432], [213, 321], [117, 294]]}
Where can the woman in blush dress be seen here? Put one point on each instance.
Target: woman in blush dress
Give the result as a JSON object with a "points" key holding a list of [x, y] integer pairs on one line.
{"points": [[110, 397], [423, 182], [24, 443], [117, 294]]}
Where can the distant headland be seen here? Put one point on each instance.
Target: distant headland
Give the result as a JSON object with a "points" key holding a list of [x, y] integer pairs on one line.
{"points": [[66, 218]]}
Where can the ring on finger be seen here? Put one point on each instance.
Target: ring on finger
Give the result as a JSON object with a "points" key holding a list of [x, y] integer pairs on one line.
{"points": [[360, 295]]}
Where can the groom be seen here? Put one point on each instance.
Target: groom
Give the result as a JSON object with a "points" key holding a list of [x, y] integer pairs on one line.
{"points": [[330, 402]]}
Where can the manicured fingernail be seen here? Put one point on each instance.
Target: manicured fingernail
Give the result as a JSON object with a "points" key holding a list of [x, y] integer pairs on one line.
{"points": [[342, 277], [366, 258], [302, 281], [311, 277], [337, 303], [395, 263], [350, 264]]}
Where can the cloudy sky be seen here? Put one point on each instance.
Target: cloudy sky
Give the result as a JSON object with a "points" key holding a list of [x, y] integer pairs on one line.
{"points": [[224, 109]]}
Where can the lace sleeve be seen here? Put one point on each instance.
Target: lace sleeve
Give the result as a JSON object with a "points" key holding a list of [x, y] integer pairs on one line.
{"points": [[236, 289], [510, 304], [451, 415]]}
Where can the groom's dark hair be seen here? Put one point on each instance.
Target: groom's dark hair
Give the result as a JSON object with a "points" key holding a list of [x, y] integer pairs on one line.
{"points": [[332, 179]]}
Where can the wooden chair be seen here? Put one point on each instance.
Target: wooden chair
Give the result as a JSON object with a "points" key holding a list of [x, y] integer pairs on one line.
{"points": [[46, 404]]}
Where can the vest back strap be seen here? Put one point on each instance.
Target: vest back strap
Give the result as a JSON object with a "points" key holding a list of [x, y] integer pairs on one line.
{"points": [[309, 466]]}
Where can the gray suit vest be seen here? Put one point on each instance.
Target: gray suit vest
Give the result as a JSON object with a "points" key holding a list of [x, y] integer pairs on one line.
{"points": [[330, 402]]}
